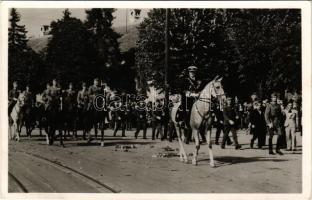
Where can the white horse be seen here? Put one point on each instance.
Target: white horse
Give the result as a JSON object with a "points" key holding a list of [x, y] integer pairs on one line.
{"points": [[15, 121], [200, 116]]}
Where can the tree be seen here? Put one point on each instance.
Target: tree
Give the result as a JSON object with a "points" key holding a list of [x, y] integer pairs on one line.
{"points": [[253, 49], [24, 63], [70, 55], [105, 42]]}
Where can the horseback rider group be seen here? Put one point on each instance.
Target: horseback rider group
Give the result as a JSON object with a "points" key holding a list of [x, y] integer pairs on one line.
{"points": [[123, 113]]}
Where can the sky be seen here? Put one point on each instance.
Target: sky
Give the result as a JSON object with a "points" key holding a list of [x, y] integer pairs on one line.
{"points": [[34, 18]]}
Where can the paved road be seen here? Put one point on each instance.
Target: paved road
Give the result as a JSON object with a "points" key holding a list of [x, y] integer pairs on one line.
{"points": [[81, 167]]}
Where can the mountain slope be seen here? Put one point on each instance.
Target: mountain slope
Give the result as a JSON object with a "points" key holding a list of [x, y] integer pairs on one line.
{"points": [[127, 40]]}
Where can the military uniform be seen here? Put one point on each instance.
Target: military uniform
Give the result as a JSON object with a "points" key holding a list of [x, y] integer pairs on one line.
{"points": [[273, 118], [119, 119], [219, 126], [55, 92], [190, 90], [46, 97], [158, 118], [82, 98], [229, 114], [71, 97], [29, 98], [13, 96], [93, 92], [141, 114]]}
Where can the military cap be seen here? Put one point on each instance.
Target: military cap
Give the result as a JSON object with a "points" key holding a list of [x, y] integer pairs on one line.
{"points": [[192, 68]]}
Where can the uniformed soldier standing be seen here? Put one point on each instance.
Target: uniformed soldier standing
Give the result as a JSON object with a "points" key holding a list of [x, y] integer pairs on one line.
{"points": [[190, 91], [273, 116], [141, 113], [13, 96]]}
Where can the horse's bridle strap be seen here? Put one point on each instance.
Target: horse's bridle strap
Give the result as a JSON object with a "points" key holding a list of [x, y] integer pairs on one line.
{"points": [[206, 100]]}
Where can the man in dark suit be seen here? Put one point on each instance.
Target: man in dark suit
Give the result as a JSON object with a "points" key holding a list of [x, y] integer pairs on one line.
{"points": [[273, 118], [230, 116], [257, 125], [119, 118], [219, 126], [141, 119], [158, 115]]}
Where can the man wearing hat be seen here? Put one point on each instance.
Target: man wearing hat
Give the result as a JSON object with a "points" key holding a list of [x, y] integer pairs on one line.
{"points": [[229, 115], [190, 91], [273, 118], [13, 96]]}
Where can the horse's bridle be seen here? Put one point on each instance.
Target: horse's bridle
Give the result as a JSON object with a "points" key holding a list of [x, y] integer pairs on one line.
{"points": [[206, 100]]}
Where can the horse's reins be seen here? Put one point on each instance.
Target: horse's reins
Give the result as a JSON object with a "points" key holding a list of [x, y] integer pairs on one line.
{"points": [[205, 100]]}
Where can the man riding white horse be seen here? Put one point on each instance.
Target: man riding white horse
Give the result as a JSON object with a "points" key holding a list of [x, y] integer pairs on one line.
{"points": [[190, 91]]}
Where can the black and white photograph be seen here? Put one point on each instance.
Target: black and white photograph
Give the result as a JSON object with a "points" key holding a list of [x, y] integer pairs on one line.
{"points": [[156, 99]]}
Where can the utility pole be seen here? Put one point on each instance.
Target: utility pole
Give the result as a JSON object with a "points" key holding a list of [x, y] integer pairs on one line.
{"points": [[166, 70], [126, 20], [166, 58]]}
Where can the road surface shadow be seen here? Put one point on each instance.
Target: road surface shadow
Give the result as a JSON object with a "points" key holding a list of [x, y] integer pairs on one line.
{"points": [[111, 143], [231, 160]]}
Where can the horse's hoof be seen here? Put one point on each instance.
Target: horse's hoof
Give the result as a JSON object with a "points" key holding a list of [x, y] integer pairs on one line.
{"points": [[182, 159], [102, 144], [212, 165]]}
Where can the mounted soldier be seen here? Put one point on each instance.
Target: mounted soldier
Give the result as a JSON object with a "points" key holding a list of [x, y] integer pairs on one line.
{"points": [[189, 92], [13, 96], [53, 113], [28, 111], [71, 109], [94, 91], [83, 105]]}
